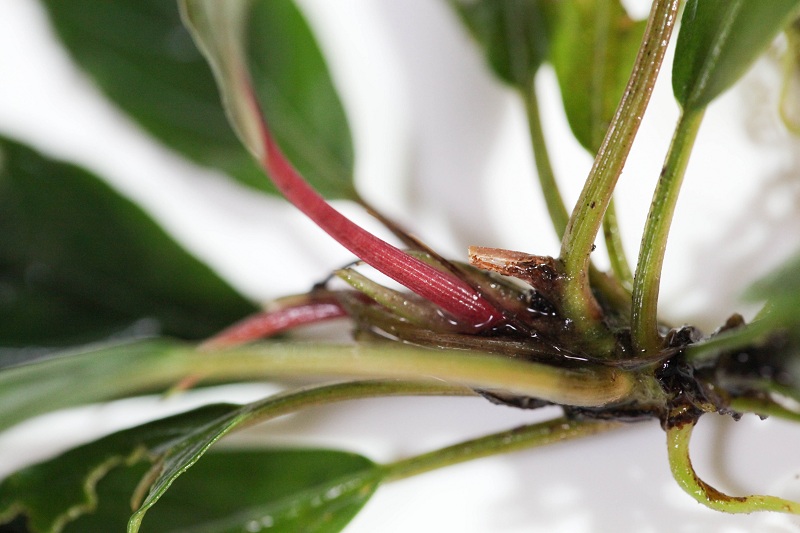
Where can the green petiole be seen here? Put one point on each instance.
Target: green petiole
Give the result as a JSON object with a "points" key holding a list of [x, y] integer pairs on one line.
{"points": [[644, 316], [592, 205]]}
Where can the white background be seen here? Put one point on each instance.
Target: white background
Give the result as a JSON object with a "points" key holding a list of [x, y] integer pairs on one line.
{"points": [[443, 147]]}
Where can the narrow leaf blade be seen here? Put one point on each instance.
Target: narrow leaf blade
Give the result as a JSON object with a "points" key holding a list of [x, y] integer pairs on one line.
{"points": [[593, 48], [719, 40]]}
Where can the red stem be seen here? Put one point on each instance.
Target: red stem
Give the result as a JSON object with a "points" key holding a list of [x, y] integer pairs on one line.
{"points": [[448, 292], [271, 323]]}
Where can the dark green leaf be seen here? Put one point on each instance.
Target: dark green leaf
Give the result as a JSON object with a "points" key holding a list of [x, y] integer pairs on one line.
{"points": [[236, 491], [593, 47], [512, 34], [719, 40], [78, 261], [141, 56], [295, 489], [58, 490]]}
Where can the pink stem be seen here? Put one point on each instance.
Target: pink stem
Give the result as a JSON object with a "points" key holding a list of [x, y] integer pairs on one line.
{"points": [[271, 323], [448, 292]]}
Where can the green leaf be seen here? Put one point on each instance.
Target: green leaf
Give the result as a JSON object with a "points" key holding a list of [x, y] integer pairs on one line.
{"points": [[78, 261], [512, 34], [92, 374], [593, 47], [58, 490], [719, 40], [781, 290], [294, 489], [253, 52], [233, 491], [763, 355], [298, 97], [141, 56]]}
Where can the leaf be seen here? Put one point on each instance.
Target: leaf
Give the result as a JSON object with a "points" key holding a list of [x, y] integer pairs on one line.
{"points": [[763, 355], [141, 57], [295, 489], [90, 374], [512, 34], [781, 290], [78, 262], [261, 66], [593, 47], [719, 40], [233, 491], [299, 100], [58, 490]]}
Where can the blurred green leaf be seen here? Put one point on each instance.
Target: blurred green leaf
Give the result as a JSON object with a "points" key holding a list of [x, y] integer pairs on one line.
{"points": [[512, 34], [593, 47], [141, 56], [717, 42], [295, 490], [763, 355], [79, 262], [90, 374], [789, 105], [781, 290]]}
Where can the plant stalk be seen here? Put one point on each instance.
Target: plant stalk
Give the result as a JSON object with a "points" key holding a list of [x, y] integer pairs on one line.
{"points": [[589, 386], [544, 170], [613, 290], [587, 217], [316, 395], [616, 251], [644, 313], [531, 436]]}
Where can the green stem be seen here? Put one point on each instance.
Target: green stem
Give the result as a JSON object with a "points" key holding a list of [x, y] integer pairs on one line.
{"points": [[552, 196], [614, 292], [764, 407], [587, 217], [707, 351], [113, 372], [644, 313], [616, 250], [681, 465], [316, 395], [520, 438], [588, 386]]}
